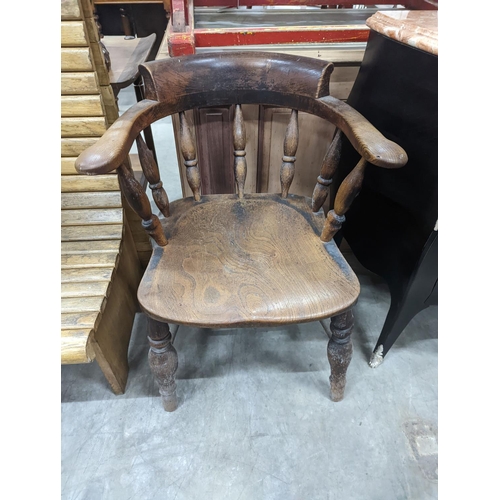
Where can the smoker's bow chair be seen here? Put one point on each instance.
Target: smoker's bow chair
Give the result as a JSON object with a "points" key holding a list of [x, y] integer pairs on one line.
{"points": [[243, 259]]}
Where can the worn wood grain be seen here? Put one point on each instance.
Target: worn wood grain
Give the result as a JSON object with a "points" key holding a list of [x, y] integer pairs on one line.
{"points": [[79, 183], [80, 275], [83, 260], [98, 199], [76, 59], [70, 9], [91, 216], [79, 83], [289, 151], [73, 146], [83, 127], [86, 289], [91, 233], [74, 34], [152, 174], [230, 262], [82, 304], [100, 246], [79, 320], [76, 346], [81, 106], [239, 144]]}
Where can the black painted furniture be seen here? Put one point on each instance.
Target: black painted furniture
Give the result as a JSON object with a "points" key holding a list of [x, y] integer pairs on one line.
{"points": [[392, 225]]}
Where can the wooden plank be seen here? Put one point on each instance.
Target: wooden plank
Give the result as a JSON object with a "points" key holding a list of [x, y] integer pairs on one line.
{"points": [[83, 127], [91, 216], [99, 64], [68, 166], [92, 233], [74, 34], [89, 289], [82, 304], [70, 10], [75, 145], [76, 59], [79, 83], [79, 183], [80, 247], [78, 105], [76, 346], [79, 321], [99, 199], [110, 106], [86, 274], [82, 260]]}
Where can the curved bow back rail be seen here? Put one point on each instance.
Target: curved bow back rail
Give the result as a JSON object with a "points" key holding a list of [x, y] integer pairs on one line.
{"points": [[179, 84]]}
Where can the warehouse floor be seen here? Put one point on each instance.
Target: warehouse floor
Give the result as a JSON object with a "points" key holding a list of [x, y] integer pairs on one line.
{"points": [[255, 420]]}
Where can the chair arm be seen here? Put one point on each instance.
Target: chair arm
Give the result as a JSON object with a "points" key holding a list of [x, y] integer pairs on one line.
{"points": [[112, 148], [365, 138]]}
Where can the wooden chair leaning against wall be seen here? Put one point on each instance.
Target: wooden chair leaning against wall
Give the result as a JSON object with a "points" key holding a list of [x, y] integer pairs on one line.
{"points": [[244, 259]]}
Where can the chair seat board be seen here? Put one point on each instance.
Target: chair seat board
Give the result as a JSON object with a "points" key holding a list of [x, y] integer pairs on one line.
{"points": [[240, 262]]}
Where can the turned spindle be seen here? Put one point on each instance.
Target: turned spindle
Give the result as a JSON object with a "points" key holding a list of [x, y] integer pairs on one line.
{"points": [[289, 150], [339, 353], [163, 362], [139, 202], [328, 169], [152, 174], [348, 190], [189, 153], [239, 140]]}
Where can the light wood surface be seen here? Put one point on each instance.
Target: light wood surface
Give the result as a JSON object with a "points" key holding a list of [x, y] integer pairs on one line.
{"points": [[93, 126], [76, 59], [98, 199], [79, 83], [77, 105], [77, 183], [74, 34]]}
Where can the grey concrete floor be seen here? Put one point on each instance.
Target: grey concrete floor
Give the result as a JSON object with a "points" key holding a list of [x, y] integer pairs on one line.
{"points": [[255, 420]]}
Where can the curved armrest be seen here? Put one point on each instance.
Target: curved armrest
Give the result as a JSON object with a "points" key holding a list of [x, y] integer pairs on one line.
{"points": [[110, 151], [365, 138]]}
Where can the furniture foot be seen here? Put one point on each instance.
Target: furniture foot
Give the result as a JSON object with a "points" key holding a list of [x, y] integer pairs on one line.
{"points": [[340, 352], [163, 362], [377, 357]]}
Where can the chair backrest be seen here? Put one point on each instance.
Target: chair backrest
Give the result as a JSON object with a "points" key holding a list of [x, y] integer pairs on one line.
{"points": [[214, 79]]}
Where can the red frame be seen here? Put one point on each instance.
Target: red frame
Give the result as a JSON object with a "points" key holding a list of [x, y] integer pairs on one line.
{"points": [[183, 38]]}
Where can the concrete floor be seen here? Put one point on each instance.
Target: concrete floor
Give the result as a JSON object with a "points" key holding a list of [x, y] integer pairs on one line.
{"points": [[255, 420]]}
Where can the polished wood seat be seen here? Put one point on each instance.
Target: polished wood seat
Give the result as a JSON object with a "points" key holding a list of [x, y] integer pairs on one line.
{"points": [[242, 259], [234, 262]]}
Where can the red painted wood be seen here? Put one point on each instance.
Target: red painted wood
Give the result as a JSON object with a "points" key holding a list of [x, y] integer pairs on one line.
{"points": [[265, 36], [410, 4]]}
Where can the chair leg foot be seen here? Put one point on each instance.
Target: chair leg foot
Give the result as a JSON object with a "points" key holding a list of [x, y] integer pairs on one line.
{"points": [[163, 362], [340, 352]]}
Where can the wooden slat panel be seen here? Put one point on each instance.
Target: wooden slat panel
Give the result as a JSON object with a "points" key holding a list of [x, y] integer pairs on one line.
{"points": [[79, 83], [92, 233], [82, 304], [82, 260], [76, 346], [90, 289], [76, 59], [79, 105], [79, 183], [78, 321], [70, 10], [91, 216], [86, 274], [68, 166], [74, 34], [76, 247], [102, 199], [83, 127], [75, 146]]}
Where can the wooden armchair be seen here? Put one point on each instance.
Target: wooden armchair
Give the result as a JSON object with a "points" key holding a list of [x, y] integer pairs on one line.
{"points": [[243, 259]]}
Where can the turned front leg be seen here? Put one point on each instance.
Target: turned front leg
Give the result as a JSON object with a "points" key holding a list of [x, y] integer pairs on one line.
{"points": [[340, 352], [163, 362]]}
